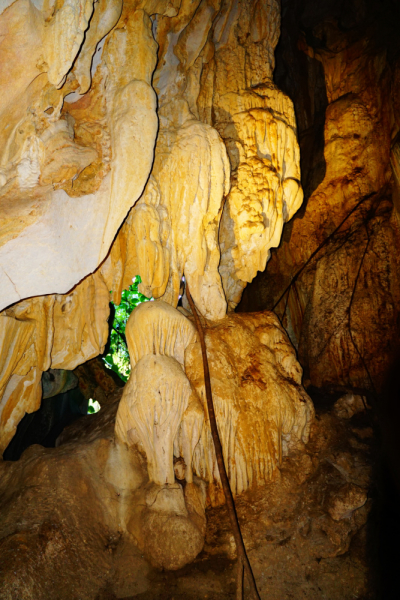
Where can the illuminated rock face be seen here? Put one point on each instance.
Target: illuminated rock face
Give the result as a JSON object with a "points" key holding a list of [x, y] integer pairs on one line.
{"points": [[342, 312], [149, 138], [261, 410], [51, 240], [159, 117]]}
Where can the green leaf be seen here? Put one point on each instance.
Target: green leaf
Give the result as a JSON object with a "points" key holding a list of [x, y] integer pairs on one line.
{"points": [[118, 358]]}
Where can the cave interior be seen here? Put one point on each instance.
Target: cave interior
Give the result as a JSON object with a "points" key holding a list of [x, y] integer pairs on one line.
{"points": [[173, 169]]}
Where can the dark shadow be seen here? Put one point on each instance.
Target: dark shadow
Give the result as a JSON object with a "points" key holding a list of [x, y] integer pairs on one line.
{"points": [[389, 484], [45, 425], [388, 553]]}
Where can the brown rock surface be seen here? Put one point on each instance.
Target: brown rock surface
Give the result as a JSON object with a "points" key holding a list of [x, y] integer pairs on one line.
{"points": [[338, 260], [65, 511]]}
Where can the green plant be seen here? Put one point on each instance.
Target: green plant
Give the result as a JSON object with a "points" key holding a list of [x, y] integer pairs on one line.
{"points": [[93, 406], [117, 358]]}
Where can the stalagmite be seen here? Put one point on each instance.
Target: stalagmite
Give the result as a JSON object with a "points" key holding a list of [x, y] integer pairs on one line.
{"points": [[261, 409], [157, 396], [157, 328]]}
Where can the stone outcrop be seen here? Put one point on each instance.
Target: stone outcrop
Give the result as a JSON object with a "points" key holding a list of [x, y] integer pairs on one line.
{"points": [[76, 519]]}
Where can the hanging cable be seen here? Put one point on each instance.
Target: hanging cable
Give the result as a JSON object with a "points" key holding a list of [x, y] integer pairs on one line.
{"points": [[243, 564]]}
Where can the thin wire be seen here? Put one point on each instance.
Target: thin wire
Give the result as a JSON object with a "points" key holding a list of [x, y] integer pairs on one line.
{"points": [[243, 564]]}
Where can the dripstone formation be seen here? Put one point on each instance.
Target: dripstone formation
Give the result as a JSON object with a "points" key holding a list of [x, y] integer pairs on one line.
{"points": [[152, 138], [158, 117]]}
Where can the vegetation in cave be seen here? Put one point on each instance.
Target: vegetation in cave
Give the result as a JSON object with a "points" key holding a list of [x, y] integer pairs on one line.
{"points": [[117, 355]]}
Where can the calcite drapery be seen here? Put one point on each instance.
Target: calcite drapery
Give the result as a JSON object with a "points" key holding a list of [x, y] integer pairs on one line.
{"points": [[33, 335], [256, 121], [80, 146], [260, 405], [158, 328], [150, 230], [266, 189], [208, 74], [194, 206], [261, 409]]}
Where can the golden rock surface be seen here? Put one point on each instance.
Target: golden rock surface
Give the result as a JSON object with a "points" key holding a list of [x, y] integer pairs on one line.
{"points": [[335, 279], [261, 408], [173, 100]]}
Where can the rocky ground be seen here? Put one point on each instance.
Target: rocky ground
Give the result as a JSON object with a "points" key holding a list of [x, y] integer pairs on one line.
{"points": [[311, 532]]}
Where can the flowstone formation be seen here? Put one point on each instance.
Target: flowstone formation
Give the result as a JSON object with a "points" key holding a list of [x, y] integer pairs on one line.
{"points": [[79, 521], [163, 413], [138, 139], [139, 475]]}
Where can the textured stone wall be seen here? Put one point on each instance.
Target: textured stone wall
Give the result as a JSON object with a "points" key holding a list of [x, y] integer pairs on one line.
{"points": [[137, 138], [335, 278], [153, 138]]}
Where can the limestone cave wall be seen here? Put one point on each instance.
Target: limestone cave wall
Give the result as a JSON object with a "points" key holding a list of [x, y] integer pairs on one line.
{"points": [[334, 280], [250, 149], [173, 104]]}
